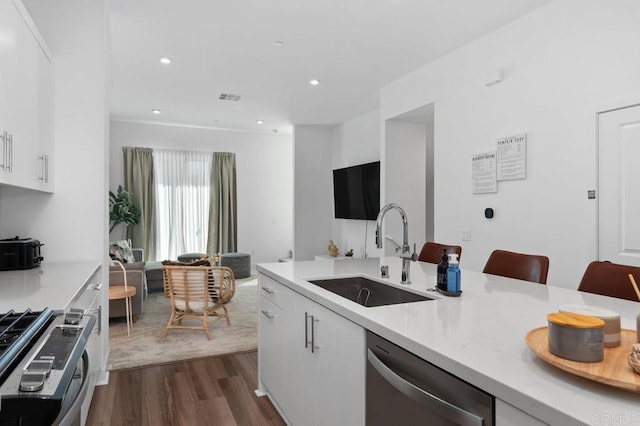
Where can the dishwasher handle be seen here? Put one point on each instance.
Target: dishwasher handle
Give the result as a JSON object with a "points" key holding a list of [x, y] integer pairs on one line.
{"points": [[448, 410]]}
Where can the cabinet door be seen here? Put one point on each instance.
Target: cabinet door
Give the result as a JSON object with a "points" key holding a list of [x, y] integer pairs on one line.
{"points": [[508, 415], [33, 129], [26, 103], [10, 25], [42, 159], [340, 369], [299, 402], [271, 353]]}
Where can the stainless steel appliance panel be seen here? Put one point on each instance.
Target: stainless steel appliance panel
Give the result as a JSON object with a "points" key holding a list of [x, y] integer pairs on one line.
{"points": [[405, 389]]}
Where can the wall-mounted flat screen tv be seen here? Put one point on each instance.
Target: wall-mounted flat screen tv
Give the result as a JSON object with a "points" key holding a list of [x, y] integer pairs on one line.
{"points": [[356, 191]]}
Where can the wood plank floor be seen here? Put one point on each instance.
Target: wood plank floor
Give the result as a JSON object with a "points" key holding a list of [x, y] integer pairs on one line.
{"points": [[208, 391]]}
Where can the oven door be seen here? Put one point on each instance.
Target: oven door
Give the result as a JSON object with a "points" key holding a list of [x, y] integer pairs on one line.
{"points": [[71, 409]]}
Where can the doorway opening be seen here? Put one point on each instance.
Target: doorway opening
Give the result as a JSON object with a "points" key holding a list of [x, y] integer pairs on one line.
{"points": [[409, 174]]}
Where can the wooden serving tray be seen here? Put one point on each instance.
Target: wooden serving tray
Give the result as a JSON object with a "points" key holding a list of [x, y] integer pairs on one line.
{"points": [[613, 370]]}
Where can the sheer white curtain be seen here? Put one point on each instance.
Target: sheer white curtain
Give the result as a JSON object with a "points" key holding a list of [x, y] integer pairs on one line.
{"points": [[182, 202]]}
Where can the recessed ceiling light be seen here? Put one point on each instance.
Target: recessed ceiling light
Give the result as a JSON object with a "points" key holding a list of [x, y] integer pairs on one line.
{"points": [[155, 111], [279, 43], [314, 82], [260, 122], [165, 60], [275, 130]]}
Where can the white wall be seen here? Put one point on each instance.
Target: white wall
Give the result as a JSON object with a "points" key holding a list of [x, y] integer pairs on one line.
{"points": [[355, 142], [72, 221], [264, 177], [561, 64], [429, 185], [405, 182], [313, 196]]}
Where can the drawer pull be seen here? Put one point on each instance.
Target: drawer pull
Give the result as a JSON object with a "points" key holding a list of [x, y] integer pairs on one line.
{"points": [[268, 314], [269, 290]]}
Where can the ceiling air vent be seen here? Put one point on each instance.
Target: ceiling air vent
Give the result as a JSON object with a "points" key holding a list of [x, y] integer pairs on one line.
{"points": [[229, 97]]}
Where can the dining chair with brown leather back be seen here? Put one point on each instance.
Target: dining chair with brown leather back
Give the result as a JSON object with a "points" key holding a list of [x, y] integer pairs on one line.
{"points": [[432, 252], [610, 279], [527, 267]]}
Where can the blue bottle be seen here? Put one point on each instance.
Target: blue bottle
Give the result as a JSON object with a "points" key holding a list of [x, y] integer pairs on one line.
{"points": [[453, 274]]}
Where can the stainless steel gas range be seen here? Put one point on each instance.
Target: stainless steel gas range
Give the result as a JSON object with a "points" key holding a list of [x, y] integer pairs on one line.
{"points": [[43, 367]]}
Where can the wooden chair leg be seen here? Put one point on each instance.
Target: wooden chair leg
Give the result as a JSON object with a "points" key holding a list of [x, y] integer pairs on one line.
{"points": [[226, 314], [134, 318]]}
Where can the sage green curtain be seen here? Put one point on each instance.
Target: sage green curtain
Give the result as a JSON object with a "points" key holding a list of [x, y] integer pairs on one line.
{"points": [[223, 215], [138, 180]]}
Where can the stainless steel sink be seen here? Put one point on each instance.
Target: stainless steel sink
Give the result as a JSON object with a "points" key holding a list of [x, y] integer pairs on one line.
{"points": [[367, 292]]}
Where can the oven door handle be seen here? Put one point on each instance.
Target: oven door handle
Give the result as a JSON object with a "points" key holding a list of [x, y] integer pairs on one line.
{"points": [[448, 410], [73, 414]]}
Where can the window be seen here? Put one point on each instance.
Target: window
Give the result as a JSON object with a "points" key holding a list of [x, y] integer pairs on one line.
{"points": [[182, 188]]}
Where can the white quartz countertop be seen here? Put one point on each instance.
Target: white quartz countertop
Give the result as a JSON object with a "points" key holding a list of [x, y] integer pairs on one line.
{"points": [[480, 336], [52, 285]]}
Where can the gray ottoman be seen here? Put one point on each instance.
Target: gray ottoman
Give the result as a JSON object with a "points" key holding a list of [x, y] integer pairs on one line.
{"points": [[190, 257], [153, 272], [240, 263]]}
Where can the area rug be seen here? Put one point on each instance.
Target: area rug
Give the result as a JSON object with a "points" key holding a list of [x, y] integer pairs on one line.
{"points": [[146, 346]]}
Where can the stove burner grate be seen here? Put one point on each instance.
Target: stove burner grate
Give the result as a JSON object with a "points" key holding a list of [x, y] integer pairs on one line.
{"points": [[18, 331]]}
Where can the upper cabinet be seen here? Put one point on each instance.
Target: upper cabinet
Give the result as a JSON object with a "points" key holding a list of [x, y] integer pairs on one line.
{"points": [[26, 102]]}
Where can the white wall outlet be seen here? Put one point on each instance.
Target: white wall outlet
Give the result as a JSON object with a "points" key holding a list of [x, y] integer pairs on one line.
{"points": [[465, 234]]}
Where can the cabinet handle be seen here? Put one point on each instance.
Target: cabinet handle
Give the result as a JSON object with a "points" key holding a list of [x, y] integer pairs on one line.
{"points": [[46, 168], [99, 319], [314, 347], [9, 160], [42, 172], [96, 287], [4, 150], [268, 314], [269, 290], [306, 329]]}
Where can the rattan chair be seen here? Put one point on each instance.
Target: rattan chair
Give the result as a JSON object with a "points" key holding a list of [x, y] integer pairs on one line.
{"points": [[197, 292], [527, 267]]}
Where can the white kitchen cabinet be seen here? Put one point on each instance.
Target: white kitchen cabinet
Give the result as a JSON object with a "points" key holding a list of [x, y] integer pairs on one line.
{"points": [[39, 162], [271, 343], [508, 415], [340, 369], [10, 26], [88, 302], [26, 108], [323, 360]]}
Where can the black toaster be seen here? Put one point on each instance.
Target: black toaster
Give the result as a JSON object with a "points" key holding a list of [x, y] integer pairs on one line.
{"points": [[19, 253]]}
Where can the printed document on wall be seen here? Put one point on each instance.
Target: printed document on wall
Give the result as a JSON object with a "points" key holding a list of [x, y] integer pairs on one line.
{"points": [[512, 157], [484, 173]]}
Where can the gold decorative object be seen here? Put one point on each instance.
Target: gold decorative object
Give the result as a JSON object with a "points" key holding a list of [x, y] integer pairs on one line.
{"points": [[634, 358], [333, 249]]}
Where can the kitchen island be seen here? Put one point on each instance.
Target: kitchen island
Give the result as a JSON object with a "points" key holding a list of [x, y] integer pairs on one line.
{"points": [[478, 337]]}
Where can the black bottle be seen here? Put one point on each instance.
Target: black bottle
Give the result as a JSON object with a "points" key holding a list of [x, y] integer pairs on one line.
{"points": [[442, 271]]}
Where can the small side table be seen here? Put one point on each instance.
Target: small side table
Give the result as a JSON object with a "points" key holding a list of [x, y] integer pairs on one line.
{"points": [[125, 292]]}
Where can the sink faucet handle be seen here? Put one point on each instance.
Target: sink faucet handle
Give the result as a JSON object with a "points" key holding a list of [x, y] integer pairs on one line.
{"points": [[414, 255]]}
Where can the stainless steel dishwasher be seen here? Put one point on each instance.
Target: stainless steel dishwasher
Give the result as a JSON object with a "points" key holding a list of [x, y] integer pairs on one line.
{"points": [[403, 389]]}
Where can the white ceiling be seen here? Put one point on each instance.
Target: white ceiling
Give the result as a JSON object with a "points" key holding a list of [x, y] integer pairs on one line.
{"points": [[352, 46]]}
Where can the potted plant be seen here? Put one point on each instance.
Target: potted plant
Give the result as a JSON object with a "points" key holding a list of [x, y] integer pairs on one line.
{"points": [[122, 209]]}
